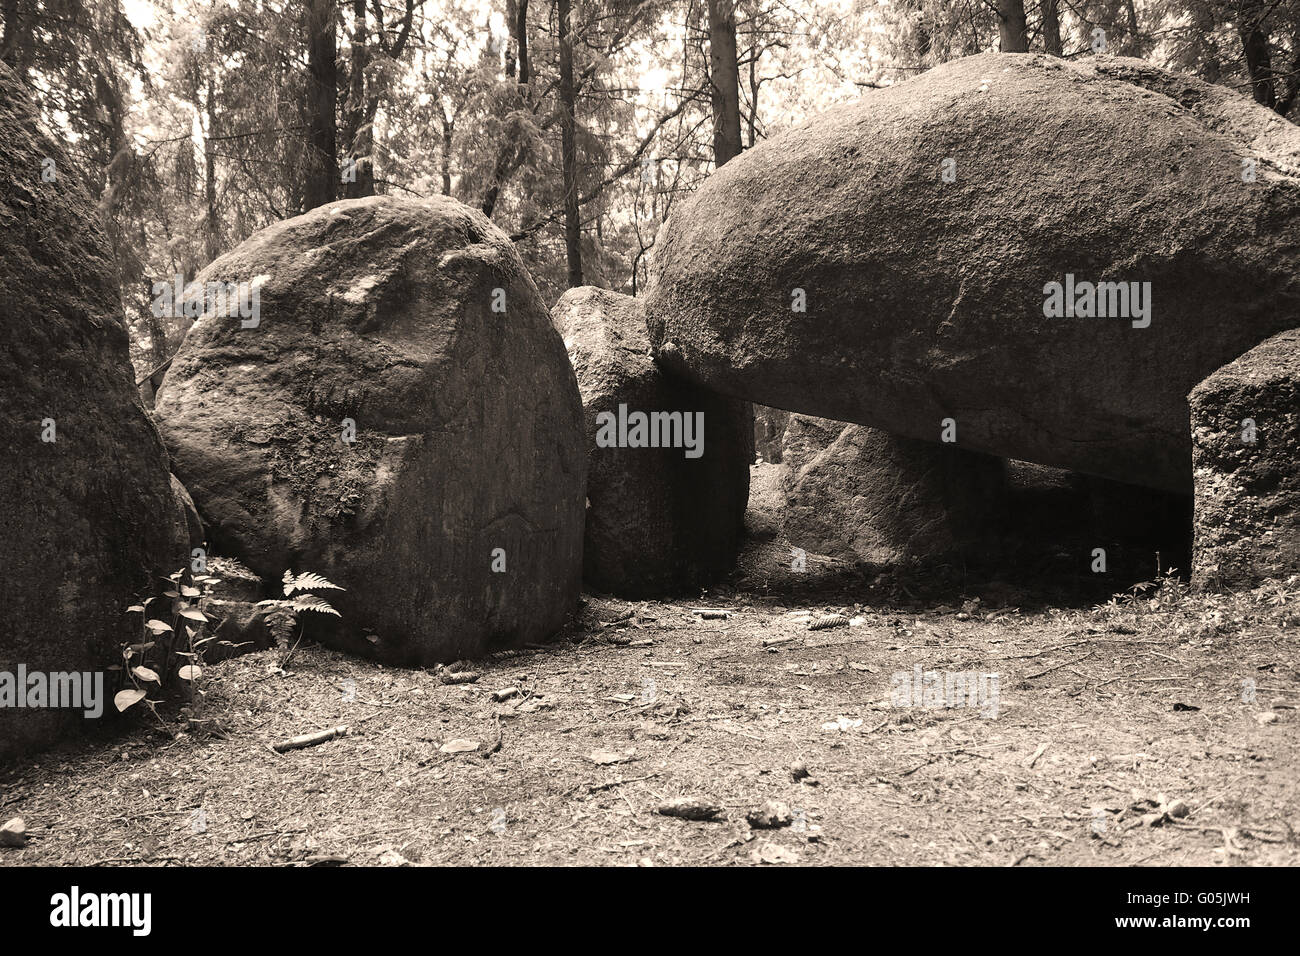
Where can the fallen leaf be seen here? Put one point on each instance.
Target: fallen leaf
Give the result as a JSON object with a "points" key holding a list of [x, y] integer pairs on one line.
{"points": [[606, 757], [459, 746], [842, 723], [773, 853]]}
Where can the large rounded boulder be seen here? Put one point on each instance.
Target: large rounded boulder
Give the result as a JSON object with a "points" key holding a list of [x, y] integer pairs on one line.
{"points": [[669, 461], [1049, 253], [88, 521], [389, 407]]}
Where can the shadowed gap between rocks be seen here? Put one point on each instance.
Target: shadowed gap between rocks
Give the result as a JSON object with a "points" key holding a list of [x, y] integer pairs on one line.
{"points": [[935, 522]]}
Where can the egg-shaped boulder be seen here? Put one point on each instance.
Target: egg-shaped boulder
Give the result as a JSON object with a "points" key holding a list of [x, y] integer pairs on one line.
{"points": [[380, 398], [1049, 253]]}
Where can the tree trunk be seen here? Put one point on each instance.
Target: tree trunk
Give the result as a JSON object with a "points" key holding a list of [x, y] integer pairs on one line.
{"points": [[751, 121], [448, 135], [360, 128], [1012, 34], [508, 149], [159, 352], [1051, 26], [725, 81], [1255, 45], [569, 150], [211, 240], [521, 40], [11, 43], [511, 49], [1134, 37], [1292, 83], [322, 99]]}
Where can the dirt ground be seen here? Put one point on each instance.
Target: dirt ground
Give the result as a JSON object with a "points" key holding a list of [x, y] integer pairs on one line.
{"points": [[1155, 728]]}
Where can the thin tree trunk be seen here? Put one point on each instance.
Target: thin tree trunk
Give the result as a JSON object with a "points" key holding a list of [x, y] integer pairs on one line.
{"points": [[158, 350], [1051, 26], [1259, 61], [752, 119], [568, 149], [509, 148], [157, 353], [1012, 35], [1292, 83], [511, 52], [1135, 39], [448, 134], [360, 135], [12, 42], [500, 172], [322, 100], [725, 81], [211, 240], [521, 40]]}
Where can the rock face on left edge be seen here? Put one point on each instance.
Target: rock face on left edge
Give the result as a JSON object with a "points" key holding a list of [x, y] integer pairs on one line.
{"points": [[87, 516], [401, 418], [660, 520]]}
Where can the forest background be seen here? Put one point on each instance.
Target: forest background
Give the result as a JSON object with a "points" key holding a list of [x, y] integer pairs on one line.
{"points": [[576, 125]]}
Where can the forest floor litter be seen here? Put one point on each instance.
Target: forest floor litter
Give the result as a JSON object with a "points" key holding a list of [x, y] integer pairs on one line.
{"points": [[737, 727]]}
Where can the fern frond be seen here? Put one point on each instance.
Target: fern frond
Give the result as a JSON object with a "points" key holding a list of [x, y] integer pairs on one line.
{"points": [[309, 580], [313, 602], [280, 619]]}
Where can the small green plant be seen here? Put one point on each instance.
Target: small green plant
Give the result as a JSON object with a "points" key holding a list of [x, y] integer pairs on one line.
{"points": [[167, 650], [283, 614]]}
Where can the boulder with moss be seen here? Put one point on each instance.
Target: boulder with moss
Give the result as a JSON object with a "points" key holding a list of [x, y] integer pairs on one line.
{"points": [[399, 416]]}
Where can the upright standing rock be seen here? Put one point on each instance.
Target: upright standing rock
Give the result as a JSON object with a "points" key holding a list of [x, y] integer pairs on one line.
{"points": [[88, 520], [399, 417], [660, 519], [1246, 462]]}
